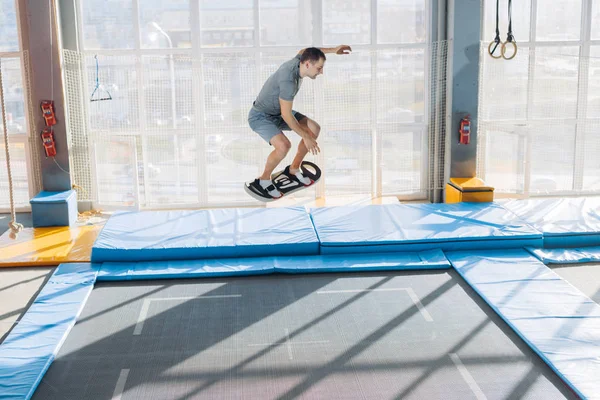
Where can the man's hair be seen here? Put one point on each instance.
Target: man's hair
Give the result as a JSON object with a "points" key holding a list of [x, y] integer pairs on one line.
{"points": [[312, 54]]}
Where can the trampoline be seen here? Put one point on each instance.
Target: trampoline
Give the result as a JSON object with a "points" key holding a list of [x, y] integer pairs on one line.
{"points": [[365, 335], [387, 301]]}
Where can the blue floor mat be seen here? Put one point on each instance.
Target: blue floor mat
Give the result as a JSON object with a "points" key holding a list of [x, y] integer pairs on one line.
{"points": [[567, 256], [402, 227], [556, 320], [564, 222], [119, 271], [32, 345], [219, 233]]}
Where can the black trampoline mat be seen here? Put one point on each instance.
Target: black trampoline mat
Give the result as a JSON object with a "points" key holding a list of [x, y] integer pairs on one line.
{"points": [[585, 277], [409, 335]]}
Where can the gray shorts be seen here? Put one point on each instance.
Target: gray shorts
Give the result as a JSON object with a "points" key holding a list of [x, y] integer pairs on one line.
{"points": [[267, 126]]}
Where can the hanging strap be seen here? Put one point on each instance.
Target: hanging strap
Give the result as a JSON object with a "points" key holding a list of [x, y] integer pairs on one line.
{"points": [[98, 85], [496, 42], [14, 226], [509, 36], [510, 39]]}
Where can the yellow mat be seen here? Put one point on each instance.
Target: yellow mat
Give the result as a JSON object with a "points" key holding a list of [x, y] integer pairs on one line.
{"points": [[48, 246]]}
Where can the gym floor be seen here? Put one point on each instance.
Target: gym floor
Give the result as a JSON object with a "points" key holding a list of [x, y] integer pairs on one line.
{"points": [[18, 286], [462, 350], [406, 335]]}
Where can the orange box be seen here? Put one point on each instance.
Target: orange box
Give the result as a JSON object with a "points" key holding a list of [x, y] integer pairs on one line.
{"points": [[470, 190]]}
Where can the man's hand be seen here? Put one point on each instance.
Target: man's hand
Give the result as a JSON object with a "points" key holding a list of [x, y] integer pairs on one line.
{"points": [[343, 49], [305, 133], [310, 142]]}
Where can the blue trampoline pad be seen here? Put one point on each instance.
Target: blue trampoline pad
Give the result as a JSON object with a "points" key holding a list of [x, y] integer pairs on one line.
{"points": [[567, 256], [119, 271], [176, 235], [32, 345], [403, 227], [564, 222], [557, 321]]}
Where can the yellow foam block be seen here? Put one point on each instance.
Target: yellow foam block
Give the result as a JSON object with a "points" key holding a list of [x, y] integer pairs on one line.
{"points": [[468, 190], [48, 246], [471, 184]]}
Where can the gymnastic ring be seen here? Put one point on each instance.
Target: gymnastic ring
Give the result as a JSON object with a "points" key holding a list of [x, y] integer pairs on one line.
{"points": [[490, 49], [503, 50]]}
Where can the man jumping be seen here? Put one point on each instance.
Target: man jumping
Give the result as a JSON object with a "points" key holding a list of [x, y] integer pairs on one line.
{"points": [[272, 113]]}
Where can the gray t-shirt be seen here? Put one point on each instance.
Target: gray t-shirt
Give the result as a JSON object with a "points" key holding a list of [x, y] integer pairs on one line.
{"points": [[284, 84]]}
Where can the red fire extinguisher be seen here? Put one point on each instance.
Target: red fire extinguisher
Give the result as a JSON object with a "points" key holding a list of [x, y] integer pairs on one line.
{"points": [[465, 130], [48, 141], [47, 107], [48, 112]]}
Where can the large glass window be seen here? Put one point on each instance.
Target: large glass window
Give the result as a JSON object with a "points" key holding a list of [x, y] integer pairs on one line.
{"points": [[108, 24], [9, 38], [11, 59], [539, 111], [182, 77]]}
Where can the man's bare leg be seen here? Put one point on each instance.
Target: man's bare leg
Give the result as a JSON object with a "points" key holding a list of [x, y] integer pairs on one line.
{"points": [[281, 146], [302, 150]]}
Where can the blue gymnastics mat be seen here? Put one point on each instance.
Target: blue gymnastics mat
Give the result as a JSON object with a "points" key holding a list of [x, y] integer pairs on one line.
{"points": [[564, 222], [218, 233], [556, 320], [567, 256], [121, 271], [403, 227], [32, 345]]}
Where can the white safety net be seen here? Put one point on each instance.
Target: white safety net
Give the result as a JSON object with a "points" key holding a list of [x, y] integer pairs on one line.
{"points": [[184, 120]]}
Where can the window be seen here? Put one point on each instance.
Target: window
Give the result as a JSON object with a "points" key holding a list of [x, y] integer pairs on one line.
{"points": [[539, 112], [183, 76], [9, 38], [13, 73]]}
